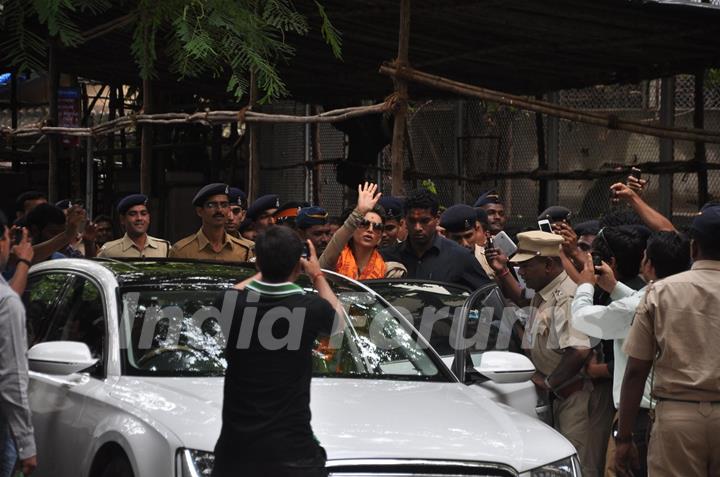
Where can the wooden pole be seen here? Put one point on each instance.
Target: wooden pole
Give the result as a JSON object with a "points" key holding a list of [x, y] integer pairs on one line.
{"points": [[562, 112], [146, 142], [316, 157], [14, 106], [54, 140], [254, 160], [700, 151], [397, 156]]}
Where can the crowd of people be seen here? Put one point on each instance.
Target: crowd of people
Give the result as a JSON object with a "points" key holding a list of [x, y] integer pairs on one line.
{"points": [[621, 323]]}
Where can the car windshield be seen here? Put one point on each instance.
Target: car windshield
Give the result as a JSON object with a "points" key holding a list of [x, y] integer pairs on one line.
{"points": [[180, 330], [430, 307]]}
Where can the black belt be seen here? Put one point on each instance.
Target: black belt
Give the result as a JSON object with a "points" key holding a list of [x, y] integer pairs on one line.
{"points": [[686, 400]]}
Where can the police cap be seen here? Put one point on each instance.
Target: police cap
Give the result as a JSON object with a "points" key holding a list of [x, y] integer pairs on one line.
{"points": [[537, 243], [555, 213], [261, 204], [237, 196], [309, 216], [131, 201], [591, 227], [393, 206], [458, 218], [209, 191], [489, 197], [706, 225]]}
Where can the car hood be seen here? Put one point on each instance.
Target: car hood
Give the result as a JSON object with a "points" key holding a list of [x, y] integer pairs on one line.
{"points": [[367, 419]]}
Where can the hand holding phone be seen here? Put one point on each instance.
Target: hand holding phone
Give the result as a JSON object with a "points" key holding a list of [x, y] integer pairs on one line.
{"points": [[545, 226]]}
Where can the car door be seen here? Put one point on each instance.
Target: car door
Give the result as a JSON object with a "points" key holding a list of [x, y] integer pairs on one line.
{"points": [[490, 325], [62, 419]]}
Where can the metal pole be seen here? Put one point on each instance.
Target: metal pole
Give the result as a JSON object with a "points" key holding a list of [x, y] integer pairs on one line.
{"points": [[667, 146], [401, 89]]}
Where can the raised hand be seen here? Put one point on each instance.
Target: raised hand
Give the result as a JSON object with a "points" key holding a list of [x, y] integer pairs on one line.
{"points": [[368, 197], [23, 250]]}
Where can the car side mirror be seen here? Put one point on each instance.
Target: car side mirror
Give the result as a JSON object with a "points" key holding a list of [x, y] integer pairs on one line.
{"points": [[60, 357], [504, 366]]}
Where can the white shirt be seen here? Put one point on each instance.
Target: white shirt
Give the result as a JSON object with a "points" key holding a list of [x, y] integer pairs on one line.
{"points": [[610, 322]]}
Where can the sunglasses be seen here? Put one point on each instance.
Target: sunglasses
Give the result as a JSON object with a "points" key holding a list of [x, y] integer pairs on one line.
{"points": [[365, 224]]}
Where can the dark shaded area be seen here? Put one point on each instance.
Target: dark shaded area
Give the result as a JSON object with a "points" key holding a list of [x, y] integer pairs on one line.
{"points": [[518, 46]]}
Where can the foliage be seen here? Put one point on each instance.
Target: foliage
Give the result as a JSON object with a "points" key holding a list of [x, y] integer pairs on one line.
{"points": [[220, 38], [713, 78], [429, 185]]}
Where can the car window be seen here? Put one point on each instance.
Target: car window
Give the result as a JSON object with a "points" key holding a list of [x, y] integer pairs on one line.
{"points": [[176, 332], [41, 297], [490, 323], [80, 317], [430, 307]]}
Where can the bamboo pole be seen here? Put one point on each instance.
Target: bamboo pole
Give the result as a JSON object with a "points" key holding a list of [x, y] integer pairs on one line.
{"points": [[53, 142], [146, 142], [397, 156], [603, 120], [206, 118], [254, 160]]}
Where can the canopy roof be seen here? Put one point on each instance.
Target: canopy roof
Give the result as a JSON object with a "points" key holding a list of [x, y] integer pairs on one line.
{"points": [[516, 46]]}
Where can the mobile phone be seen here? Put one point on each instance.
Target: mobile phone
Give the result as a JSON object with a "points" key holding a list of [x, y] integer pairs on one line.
{"points": [[490, 244], [636, 173], [305, 251], [17, 235], [597, 262], [503, 242], [545, 226]]}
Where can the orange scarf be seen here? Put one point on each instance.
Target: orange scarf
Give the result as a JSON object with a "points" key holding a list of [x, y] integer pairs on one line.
{"points": [[346, 265]]}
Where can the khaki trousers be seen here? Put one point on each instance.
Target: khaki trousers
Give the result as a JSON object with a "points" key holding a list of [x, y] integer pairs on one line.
{"points": [[584, 419], [685, 440]]}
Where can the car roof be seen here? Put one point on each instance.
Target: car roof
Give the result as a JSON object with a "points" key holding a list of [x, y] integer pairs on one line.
{"points": [[155, 272]]}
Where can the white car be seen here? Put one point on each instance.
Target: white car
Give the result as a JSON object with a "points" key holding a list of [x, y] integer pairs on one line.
{"points": [[126, 364]]}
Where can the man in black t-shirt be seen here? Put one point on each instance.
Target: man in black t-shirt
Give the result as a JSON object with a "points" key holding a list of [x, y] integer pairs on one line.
{"points": [[266, 410], [426, 254]]}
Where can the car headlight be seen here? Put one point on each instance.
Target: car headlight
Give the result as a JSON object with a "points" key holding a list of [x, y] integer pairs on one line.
{"points": [[195, 463], [569, 467]]}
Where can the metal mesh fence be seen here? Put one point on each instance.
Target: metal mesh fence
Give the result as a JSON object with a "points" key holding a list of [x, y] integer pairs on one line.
{"points": [[460, 144]]}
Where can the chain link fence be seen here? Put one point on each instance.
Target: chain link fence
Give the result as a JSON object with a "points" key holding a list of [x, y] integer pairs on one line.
{"points": [[460, 144]]}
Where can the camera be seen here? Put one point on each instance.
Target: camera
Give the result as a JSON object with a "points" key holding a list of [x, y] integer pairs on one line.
{"points": [[305, 251], [636, 173]]}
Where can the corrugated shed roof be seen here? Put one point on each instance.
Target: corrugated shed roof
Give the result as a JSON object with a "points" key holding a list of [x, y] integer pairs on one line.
{"points": [[517, 46]]}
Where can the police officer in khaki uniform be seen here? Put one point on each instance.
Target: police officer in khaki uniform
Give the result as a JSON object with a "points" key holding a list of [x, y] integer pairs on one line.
{"points": [[211, 242], [136, 243], [461, 225], [678, 326], [238, 209], [558, 351]]}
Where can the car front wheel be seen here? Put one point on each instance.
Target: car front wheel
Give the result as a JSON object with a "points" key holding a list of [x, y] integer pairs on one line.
{"points": [[119, 466]]}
